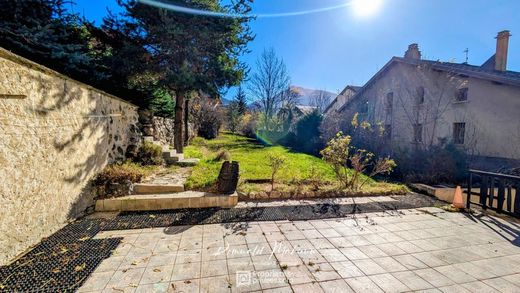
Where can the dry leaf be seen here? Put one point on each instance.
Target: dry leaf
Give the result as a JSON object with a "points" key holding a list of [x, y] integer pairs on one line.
{"points": [[156, 270], [56, 271], [80, 267], [134, 263], [84, 238], [133, 285]]}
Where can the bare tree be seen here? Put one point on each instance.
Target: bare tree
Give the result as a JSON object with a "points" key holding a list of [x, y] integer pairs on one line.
{"points": [[320, 100], [290, 97], [268, 84], [425, 106]]}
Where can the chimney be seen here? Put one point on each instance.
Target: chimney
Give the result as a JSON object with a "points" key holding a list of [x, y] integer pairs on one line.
{"points": [[501, 53], [413, 52]]}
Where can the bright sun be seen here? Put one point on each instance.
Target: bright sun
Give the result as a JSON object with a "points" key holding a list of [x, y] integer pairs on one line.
{"points": [[366, 7]]}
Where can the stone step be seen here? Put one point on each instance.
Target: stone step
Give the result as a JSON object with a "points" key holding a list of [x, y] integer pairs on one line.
{"points": [[188, 162], [172, 156], [147, 188], [171, 201], [167, 148], [148, 138]]}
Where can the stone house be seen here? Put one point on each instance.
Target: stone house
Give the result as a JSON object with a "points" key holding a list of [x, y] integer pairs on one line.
{"points": [[294, 113], [348, 92], [423, 103]]}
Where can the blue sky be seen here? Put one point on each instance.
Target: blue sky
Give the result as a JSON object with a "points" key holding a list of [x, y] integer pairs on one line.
{"points": [[332, 49]]}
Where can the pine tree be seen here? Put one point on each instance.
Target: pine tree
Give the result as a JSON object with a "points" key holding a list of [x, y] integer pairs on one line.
{"points": [[45, 32], [241, 101], [193, 52]]}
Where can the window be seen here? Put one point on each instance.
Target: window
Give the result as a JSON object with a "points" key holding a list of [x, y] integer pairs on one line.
{"points": [[462, 95], [364, 108], [388, 132], [417, 133], [459, 130], [389, 102], [420, 96]]}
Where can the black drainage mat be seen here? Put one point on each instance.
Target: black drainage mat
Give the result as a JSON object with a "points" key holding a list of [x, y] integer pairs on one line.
{"points": [[139, 220], [61, 262]]}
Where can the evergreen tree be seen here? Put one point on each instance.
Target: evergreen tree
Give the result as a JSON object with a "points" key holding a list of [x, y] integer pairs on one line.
{"points": [[192, 52], [241, 101], [45, 32]]}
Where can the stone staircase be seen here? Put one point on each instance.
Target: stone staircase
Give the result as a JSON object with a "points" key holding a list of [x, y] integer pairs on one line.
{"points": [[166, 192], [170, 155]]}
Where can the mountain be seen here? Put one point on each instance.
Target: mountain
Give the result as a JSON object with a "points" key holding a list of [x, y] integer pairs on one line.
{"points": [[306, 94]]}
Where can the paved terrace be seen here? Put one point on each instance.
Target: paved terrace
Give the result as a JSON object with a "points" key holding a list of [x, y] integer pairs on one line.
{"points": [[361, 249]]}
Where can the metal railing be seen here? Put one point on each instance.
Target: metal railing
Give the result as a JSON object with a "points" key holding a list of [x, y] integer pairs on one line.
{"points": [[496, 191]]}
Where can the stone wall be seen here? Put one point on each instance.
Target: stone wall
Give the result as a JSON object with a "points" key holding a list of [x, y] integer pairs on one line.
{"points": [[163, 130], [55, 135]]}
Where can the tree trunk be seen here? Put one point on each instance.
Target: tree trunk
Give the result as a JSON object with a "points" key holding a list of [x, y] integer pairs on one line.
{"points": [[186, 121], [179, 121]]}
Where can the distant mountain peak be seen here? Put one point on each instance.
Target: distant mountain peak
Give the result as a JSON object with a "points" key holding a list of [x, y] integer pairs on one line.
{"points": [[307, 94]]}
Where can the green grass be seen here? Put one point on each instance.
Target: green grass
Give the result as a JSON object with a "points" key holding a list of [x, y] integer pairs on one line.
{"points": [[252, 157]]}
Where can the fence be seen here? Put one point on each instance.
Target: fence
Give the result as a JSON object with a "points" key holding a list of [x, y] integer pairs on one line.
{"points": [[496, 191]]}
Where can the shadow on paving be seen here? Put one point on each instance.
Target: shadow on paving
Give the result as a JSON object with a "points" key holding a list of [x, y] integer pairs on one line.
{"points": [[61, 262], [510, 232], [64, 261], [155, 219]]}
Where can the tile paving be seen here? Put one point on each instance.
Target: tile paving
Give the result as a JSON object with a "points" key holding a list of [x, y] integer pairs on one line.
{"points": [[424, 249]]}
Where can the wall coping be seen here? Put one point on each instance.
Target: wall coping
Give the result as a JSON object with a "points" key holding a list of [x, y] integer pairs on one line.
{"points": [[8, 55]]}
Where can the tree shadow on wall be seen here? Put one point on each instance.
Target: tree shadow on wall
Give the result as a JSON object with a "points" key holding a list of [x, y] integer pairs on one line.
{"points": [[83, 125]]}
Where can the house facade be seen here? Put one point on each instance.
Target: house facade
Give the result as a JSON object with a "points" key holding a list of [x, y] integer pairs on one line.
{"points": [[422, 103], [348, 92]]}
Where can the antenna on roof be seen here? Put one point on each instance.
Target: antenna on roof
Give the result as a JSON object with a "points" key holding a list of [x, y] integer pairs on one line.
{"points": [[467, 53]]}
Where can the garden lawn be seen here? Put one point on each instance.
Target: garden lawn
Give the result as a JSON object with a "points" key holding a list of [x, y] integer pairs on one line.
{"points": [[299, 170]]}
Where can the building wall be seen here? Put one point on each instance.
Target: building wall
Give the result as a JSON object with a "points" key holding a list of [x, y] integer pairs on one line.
{"points": [[55, 135], [339, 101], [490, 113]]}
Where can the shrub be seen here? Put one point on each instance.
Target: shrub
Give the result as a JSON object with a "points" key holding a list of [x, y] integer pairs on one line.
{"points": [[341, 155], [248, 125], [206, 115], [306, 137], [149, 154], [222, 155], [433, 165], [116, 180], [276, 162], [120, 173]]}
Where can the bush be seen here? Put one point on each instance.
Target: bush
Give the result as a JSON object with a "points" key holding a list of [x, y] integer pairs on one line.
{"points": [[340, 154], [222, 155], [306, 137], [247, 125], [434, 165], [120, 173], [206, 115], [276, 162], [149, 154]]}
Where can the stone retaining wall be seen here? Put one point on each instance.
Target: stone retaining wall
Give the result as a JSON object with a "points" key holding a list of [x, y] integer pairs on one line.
{"points": [[55, 135], [163, 130]]}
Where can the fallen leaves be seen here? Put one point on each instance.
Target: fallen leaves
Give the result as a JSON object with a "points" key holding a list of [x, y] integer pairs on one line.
{"points": [[80, 267]]}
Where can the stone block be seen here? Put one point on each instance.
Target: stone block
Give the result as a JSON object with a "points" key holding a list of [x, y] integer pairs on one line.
{"points": [[99, 205], [112, 205]]}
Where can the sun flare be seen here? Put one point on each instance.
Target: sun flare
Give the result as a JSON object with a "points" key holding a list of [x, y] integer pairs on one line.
{"points": [[366, 7]]}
